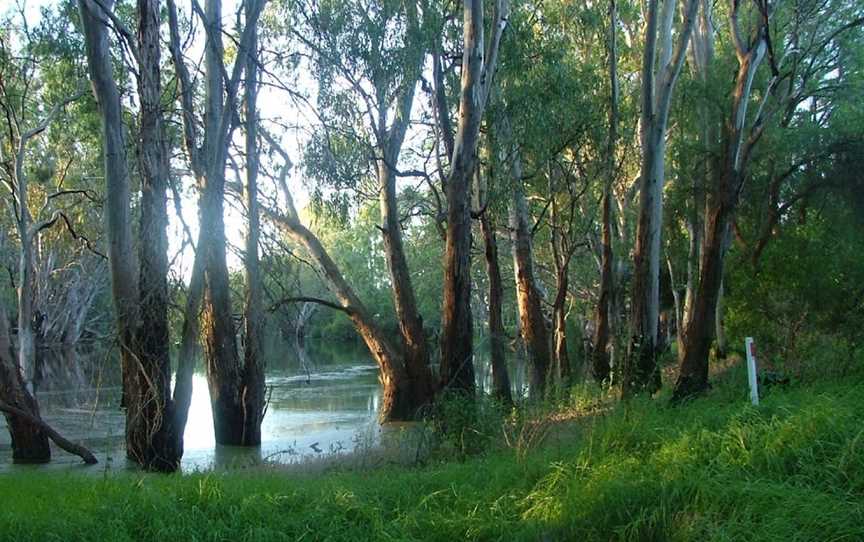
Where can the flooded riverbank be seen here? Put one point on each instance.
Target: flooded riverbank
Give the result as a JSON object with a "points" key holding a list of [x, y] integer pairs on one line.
{"points": [[323, 402]]}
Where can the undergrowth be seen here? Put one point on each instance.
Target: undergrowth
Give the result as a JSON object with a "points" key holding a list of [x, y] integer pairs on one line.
{"points": [[716, 468]]}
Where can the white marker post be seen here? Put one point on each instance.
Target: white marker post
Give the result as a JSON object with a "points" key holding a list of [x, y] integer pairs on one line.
{"points": [[751, 370]]}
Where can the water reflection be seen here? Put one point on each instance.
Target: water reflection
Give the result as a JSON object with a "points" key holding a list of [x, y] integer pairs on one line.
{"points": [[326, 401], [322, 400]]}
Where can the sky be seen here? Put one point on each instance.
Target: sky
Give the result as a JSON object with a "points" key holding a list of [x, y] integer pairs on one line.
{"points": [[274, 105]]}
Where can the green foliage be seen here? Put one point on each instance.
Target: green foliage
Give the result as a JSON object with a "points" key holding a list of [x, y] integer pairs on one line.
{"points": [[803, 303]]}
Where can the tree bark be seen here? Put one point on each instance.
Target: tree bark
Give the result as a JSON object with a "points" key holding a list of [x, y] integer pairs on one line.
{"points": [[559, 325], [497, 337], [457, 346], [150, 434], [29, 440], [224, 369], [600, 363], [414, 345], [398, 403], [658, 81], [535, 335], [252, 384], [122, 259], [721, 205]]}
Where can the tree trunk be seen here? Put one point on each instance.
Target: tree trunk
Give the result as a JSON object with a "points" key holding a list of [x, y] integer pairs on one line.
{"points": [[398, 403], [29, 441], [26, 286], [719, 323], [150, 438], [600, 363], [697, 337], [224, 372], [252, 385], [414, 346], [721, 205], [457, 344], [122, 259], [660, 71], [559, 322], [528, 296], [478, 70], [497, 338]]}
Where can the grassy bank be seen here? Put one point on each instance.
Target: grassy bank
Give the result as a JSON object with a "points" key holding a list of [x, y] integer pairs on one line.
{"points": [[716, 469]]}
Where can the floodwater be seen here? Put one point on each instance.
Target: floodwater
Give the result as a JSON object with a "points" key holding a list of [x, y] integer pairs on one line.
{"points": [[323, 401], [320, 402]]}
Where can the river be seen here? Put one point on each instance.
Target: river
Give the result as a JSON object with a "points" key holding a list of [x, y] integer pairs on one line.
{"points": [[323, 401]]}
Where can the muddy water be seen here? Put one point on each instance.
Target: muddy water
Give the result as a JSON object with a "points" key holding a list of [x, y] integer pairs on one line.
{"points": [[323, 401]]}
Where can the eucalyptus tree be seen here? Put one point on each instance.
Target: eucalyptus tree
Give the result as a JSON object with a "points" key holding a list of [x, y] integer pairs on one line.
{"points": [[236, 386], [252, 380], [785, 93], [140, 293], [497, 337], [663, 56], [479, 63], [600, 366], [549, 128], [31, 104], [368, 58]]}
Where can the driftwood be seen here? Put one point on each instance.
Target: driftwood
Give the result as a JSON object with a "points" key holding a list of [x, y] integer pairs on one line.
{"points": [[58, 439]]}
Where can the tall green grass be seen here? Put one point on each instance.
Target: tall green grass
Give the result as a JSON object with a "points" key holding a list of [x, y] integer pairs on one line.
{"points": [[714, 469]]}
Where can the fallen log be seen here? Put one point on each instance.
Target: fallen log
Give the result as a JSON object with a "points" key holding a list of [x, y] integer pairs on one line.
{"points": [[59, 440]]}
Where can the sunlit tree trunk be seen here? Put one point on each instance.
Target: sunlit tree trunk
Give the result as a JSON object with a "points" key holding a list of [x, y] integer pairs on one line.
{"points": [[528, 296], [414, 344], [478, 69], [660, 69]]}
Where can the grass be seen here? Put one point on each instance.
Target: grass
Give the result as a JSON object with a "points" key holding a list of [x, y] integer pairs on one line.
{"points": [[715, 469]]}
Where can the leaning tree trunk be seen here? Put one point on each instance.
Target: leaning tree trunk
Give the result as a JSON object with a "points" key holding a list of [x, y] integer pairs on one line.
{"points": [[398, 402], [29, 441]]}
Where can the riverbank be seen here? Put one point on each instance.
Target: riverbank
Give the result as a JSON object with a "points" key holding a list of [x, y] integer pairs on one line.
{"points": [[715, 469]]}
